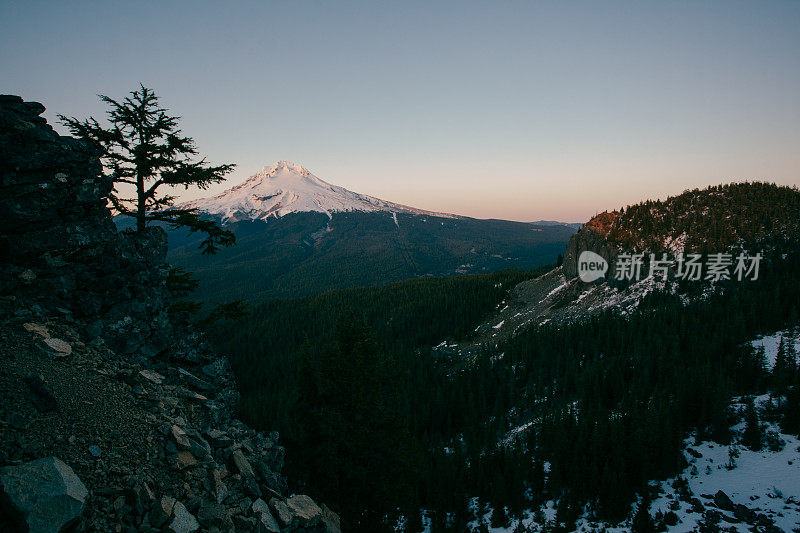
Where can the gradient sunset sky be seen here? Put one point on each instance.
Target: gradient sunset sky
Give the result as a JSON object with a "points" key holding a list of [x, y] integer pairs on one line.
{"points": [[515, 110]]}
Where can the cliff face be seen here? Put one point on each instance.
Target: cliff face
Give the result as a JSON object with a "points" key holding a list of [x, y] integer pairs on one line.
{"points": [[59, 248], [112, 418], [591, 238]]}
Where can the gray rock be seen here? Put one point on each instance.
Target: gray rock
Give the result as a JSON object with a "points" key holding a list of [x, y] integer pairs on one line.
{"points": [[219, 439], [180, 438], [307, 513], [44, 495], [251, 487], [723, 501], [242, 464], [265, 522], [59, 347], [282, 512], [40, 395], [218, 487], [183, 521], [589, 239], [193, 381], [330, 520], [198, 445], [95, 450], [184, 460], [161, 511], [244, 523], [152, 376]]}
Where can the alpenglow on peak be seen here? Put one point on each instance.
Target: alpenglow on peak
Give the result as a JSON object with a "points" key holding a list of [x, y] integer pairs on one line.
{"points": [[286, 188]]}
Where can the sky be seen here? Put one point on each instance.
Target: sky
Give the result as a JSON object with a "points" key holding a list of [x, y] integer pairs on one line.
{"points": [[513, 110]]}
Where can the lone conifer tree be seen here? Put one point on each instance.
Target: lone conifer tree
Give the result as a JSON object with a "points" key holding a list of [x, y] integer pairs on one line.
{"points": [[143, 149]]}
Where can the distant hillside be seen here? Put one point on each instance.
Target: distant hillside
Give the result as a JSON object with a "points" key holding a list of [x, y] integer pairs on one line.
{"points": [[306, 253]]}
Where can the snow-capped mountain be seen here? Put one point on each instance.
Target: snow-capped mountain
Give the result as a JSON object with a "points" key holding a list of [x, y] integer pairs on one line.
{"points": [[285, 188]]}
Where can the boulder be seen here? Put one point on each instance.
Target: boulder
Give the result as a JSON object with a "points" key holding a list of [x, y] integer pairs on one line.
{"points": [[265, 522], [307, 513], [161, 511], [180, 438], [39, 329], [184, 460], [694, 453], [330, 520], [183, 521], [723, 501], [60, 347], [43, 495], [193, 381], [242, 464], [197, 444], [218, 487], [282, 512]]}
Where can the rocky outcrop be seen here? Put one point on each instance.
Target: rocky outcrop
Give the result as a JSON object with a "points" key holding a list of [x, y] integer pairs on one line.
{"points": [[43, 495], [587, 239], [59, 249], [99, 382]]}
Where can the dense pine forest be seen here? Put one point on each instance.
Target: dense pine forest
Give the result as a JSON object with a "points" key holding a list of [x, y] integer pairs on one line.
{"points": [[388, 426]]}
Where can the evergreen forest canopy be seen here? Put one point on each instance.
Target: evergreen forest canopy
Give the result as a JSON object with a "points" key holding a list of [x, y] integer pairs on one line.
{"points": [[712, 219], [378, 423]]}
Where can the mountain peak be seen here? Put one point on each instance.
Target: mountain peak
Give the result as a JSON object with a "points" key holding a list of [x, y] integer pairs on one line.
{"points": [[287, 187], [286, 166]]}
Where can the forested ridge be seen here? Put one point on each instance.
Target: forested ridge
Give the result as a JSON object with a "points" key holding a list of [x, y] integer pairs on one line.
{"points": [[706, 220]]}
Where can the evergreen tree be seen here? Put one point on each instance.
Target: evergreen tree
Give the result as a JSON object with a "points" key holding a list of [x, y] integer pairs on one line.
{"points": [[642, 521], [499, 517], [142, 150], [783, 371], [752, 436]]}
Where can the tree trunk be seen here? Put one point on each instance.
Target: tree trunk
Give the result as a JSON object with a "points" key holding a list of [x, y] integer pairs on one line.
{"points": [[141, 210]]}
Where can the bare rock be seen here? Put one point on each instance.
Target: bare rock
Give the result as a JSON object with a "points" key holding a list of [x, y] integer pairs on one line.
{"points": [[44, 495], [242, 464], [161, 511], [723, 501], [265, 522], [180, 438], [330, 520], [282, 512], [61, 348], [183, 521], [41, 397], [307, 513]]}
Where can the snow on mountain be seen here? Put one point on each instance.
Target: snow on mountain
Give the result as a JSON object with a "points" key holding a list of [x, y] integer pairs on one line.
{"points": [[286, 188]]}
